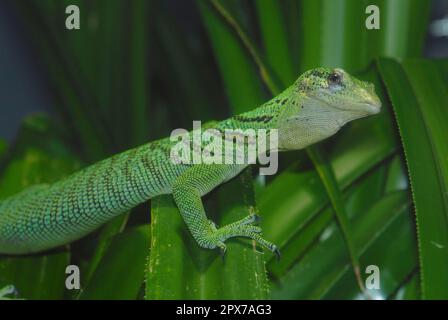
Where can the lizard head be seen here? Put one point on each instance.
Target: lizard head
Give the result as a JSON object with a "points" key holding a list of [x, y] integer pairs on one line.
{"points": [[319, 103]]}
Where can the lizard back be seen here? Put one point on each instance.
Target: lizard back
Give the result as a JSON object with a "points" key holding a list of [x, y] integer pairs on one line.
{"points": [[45, 216]]}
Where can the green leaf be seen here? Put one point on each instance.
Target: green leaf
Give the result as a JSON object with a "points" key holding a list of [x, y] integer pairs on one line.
{"points": [[418, 93], [105, 238], [403, 27], [358, 197], [326, 174], [39, 156], [410, 290], [443, 67], [181, 65], [327, 256], [244, 94], [168, 251], [397, 176], [138, 61], [121, 271], [74, 102], [275, 39], [36, 277], [98, 73], [334, 34], [393, 268]]}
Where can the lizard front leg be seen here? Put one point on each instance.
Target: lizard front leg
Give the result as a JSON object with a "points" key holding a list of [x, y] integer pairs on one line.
{"points": [[188, 189]]}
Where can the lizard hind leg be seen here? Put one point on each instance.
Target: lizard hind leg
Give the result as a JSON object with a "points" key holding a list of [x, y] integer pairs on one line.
{"points": [[244, 227], [187, 190]]}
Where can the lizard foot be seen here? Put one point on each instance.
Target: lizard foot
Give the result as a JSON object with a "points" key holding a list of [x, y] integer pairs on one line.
{"points": [[248, 220], [240, 229], [245, 227]]}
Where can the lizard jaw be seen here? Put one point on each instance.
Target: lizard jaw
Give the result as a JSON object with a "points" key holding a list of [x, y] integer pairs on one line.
{"points": [[370, 108]]}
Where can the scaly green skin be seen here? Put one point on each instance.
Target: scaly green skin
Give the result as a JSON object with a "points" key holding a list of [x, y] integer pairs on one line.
{"points": [[315, 107]]}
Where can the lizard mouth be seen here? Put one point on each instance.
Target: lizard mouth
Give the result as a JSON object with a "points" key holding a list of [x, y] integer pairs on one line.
{"points": [[370, 107], [362, 109]]}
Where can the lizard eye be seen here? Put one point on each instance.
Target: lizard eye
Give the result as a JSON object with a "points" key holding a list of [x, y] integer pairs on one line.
{"points": [[334, 78]]}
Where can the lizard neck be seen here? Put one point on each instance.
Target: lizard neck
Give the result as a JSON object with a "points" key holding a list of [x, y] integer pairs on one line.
{"points": [[264, 117]]}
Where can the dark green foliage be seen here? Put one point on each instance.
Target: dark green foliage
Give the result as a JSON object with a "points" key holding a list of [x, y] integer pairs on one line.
{"points": [[137, 69]]}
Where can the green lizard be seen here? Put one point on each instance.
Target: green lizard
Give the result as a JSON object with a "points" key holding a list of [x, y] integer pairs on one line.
{"points": [[41, 217]]}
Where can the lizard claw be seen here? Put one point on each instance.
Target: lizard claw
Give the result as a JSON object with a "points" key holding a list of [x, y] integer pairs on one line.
{"points": [[276, 251], [222, 249]]}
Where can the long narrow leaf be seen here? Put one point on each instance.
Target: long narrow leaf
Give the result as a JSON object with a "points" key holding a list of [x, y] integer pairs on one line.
{"points": [[179, 269], [301, 282], [275, 39], [420, 112], [121, 271]]}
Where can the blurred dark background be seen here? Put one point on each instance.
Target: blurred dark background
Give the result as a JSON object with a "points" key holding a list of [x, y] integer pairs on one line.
{"points": [[23, 87]]}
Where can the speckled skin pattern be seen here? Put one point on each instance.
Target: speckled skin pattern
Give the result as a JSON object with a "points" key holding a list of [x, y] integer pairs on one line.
{"points": [[41, 217]]}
